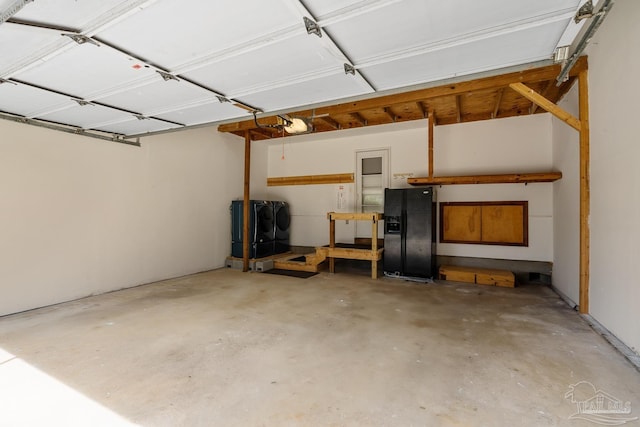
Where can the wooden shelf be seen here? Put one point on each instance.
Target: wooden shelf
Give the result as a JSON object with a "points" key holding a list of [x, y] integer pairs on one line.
{"points": [[515, 178], [336, 178], [355, 216]]}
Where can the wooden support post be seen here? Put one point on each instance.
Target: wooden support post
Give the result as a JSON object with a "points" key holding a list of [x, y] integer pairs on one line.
{"points": [[458, 112], [332, 243], [432, 119], [584, 191], [245, 204], [374, 247]]}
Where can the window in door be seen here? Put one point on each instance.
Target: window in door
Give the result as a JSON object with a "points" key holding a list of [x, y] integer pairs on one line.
{"points": [[372, 177]]}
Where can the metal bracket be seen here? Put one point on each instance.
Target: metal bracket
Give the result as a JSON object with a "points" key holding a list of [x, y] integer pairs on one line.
{"points": [[167, 76], [312, 27], [81, 39], [561, 54], [222, 99], [585, 12], [349, 69], [141, 117], [82, 102], [586, 37]]}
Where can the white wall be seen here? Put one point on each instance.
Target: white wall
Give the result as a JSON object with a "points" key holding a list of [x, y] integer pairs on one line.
{"points": [[334, 152], [82, 216], [498, 146], [614, 64], [511, 145], [566, 202]]}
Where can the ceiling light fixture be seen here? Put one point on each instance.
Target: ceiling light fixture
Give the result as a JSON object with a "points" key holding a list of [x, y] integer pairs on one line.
{"points": [[291, 125], [296, 125]]}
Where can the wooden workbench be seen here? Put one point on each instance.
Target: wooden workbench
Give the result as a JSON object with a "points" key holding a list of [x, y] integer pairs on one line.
{"points": [[374, 254]]}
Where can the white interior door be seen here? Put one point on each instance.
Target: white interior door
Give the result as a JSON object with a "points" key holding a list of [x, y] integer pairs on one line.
{"points": [[372, 177]]}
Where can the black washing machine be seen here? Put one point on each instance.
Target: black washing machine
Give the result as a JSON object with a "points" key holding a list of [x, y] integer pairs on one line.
{"points": [[264, 230], [282, 221], [261, 228]]}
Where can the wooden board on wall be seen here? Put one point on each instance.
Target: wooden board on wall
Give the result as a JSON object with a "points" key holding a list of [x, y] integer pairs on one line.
{"points": [[488, 223], [503, 224], [461, 223]]}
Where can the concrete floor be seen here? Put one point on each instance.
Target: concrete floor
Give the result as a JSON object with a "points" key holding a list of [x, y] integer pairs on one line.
{"points": [[252, 349]]}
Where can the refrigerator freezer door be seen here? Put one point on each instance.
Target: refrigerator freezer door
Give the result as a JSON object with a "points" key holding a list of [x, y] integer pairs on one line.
{"points": [[392, 255], [418, 233], [409, 233]]}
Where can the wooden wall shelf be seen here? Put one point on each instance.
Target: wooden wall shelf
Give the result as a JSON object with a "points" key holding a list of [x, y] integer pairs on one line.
{"points": [[516, 178], [337, 178]]}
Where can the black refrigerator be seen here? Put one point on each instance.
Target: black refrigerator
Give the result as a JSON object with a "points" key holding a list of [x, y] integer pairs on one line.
{"points": [[409, 233]]}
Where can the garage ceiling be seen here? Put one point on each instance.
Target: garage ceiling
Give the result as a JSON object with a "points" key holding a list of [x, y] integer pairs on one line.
{"points": [[128, 68]]}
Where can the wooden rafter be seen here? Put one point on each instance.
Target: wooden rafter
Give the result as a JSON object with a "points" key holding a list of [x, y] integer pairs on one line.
{"points": [[547, 105], [330, 121], [496, 107], [358, 117], [544, 93], [422, 109], [530, 76], [458, 113], [261, 132], [389, 113]]}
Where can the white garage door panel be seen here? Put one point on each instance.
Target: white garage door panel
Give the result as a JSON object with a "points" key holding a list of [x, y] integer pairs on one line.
{"points": [[25, 100], [212, 112], [468, 58], [86, 69], [310, 92]]}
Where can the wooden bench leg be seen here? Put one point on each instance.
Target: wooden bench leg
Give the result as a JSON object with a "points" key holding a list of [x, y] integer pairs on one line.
{"points": [[332, 244]]}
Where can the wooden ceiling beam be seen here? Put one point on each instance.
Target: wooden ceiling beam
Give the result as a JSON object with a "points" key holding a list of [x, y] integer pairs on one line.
{"points": [[262, 132], [389, 113], [496, 107], [544, 93], [532, 75], [458, 113], [547, 105], [422, 109], [331, 122], [358, 117]]}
